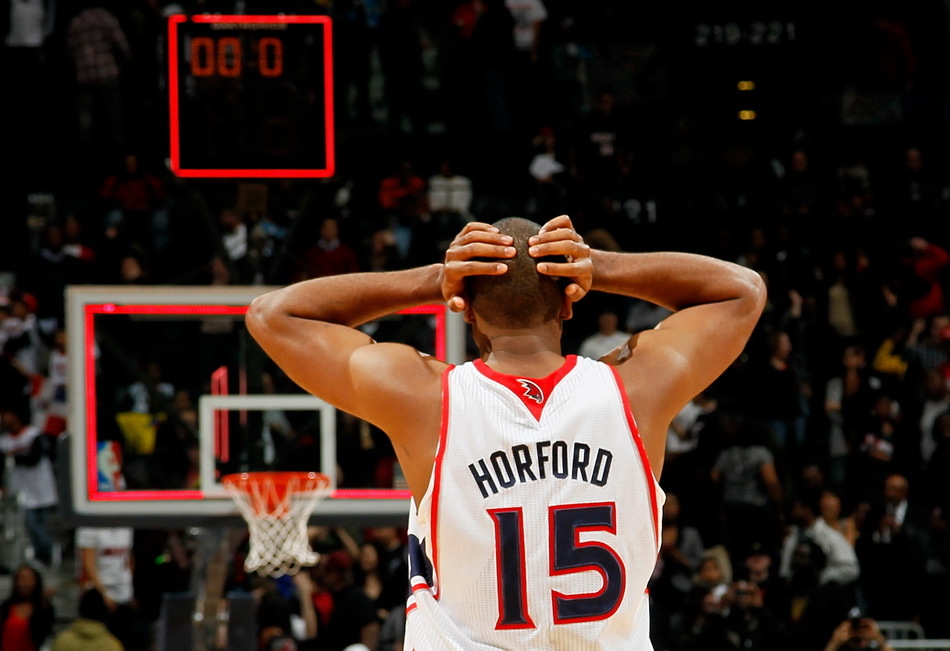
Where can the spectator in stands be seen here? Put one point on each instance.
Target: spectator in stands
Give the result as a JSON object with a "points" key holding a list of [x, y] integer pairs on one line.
{"points": [[383, 253], [26, 616], [840, 297], [926, 347], [890, 543], [527, 74], [935, 474], [820, 568], [925, 262], [20, 338], [49, 271], [751, 491], [88, 632], [104, 564], [599, 144], [329, 256], [54, 392], [133, 269], [29, 24], [393, 564], [883, 446], [681, 553], [840, 564], [99, 52], [715, 572], [760, 567], [607, 337], [698, 625], [831, 514], [550, 193], [801, 191], [857, 633], [32, 479], [353, 619], [234, 240], [402, 199], [450, 201], [747, 624], [916, 193], [135, 201], [777, 389], [77, 245], [286, 615], [848, 399], [936, 402]]}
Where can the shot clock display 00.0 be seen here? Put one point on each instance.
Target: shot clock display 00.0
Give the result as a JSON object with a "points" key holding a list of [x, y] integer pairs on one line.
{"points": [[250, 96]]}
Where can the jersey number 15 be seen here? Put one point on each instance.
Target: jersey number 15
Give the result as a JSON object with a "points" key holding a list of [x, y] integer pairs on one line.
{"points": [[568, 555]]}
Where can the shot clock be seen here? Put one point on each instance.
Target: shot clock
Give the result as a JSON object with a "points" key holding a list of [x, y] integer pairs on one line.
{"points": [[250, 96]]}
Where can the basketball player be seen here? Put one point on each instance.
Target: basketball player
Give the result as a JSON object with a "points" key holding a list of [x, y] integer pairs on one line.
{"points": [[536, 506]]}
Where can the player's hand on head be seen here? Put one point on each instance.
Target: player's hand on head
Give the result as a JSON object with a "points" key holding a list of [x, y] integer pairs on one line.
{"points": [[465, 257], [558, 238]]}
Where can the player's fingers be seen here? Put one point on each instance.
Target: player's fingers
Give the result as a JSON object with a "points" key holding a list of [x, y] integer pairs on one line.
{"points": [[572, 249], [561, 221], [477, 226], [478, 232], [457, 269], [555, 235], [575, 269], [479, 250], [575, 292], [456, 303]]}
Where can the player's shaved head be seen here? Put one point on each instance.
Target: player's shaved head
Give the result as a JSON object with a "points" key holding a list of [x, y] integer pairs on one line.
{"points": [[522, 297]]}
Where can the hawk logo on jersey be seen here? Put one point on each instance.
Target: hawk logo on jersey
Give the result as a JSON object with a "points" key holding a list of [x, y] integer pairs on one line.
{"points": [[532, 391]]}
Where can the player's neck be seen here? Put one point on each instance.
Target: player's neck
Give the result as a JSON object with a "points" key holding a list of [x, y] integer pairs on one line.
{"points": [[534, 353]]}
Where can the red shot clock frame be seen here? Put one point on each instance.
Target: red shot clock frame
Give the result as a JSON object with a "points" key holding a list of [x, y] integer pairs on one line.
{"points": [[250, 96]]}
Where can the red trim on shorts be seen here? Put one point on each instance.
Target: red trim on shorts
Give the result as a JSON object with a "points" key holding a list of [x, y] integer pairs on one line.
{"points": [[635, 433]]}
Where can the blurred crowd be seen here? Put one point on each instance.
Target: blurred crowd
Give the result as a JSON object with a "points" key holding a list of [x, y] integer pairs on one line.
{"points": [[808, 489]]}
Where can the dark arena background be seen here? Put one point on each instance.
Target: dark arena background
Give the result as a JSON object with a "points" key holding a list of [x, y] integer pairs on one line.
{"points": [[194, 153]]}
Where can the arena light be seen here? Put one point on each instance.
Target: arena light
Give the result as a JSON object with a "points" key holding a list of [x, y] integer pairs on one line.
{"points": [[746, 85], [745, 115]]}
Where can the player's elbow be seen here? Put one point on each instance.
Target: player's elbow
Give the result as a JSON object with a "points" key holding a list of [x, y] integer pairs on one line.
{"points": [[261, 315], [752, 293]]}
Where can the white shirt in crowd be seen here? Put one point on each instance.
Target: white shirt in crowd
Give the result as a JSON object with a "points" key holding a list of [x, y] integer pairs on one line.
{"points": [[113, 547], [526, 14], [597, 345], [841, 562], [34, 486], [450, 194], [683, 421]]}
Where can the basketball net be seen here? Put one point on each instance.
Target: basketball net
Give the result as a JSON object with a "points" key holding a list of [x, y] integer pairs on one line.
{"points": [[277, 507]]}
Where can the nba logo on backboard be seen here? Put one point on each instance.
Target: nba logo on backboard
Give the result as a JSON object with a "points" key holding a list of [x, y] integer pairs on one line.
{"points": [[109, 463]]}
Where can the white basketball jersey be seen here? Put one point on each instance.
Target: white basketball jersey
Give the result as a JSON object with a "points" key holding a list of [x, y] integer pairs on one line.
{"points": [[540, 525]]}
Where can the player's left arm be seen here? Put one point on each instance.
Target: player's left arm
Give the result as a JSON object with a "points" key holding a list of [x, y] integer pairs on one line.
{"points": [[715, 304], [310, 329]]}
